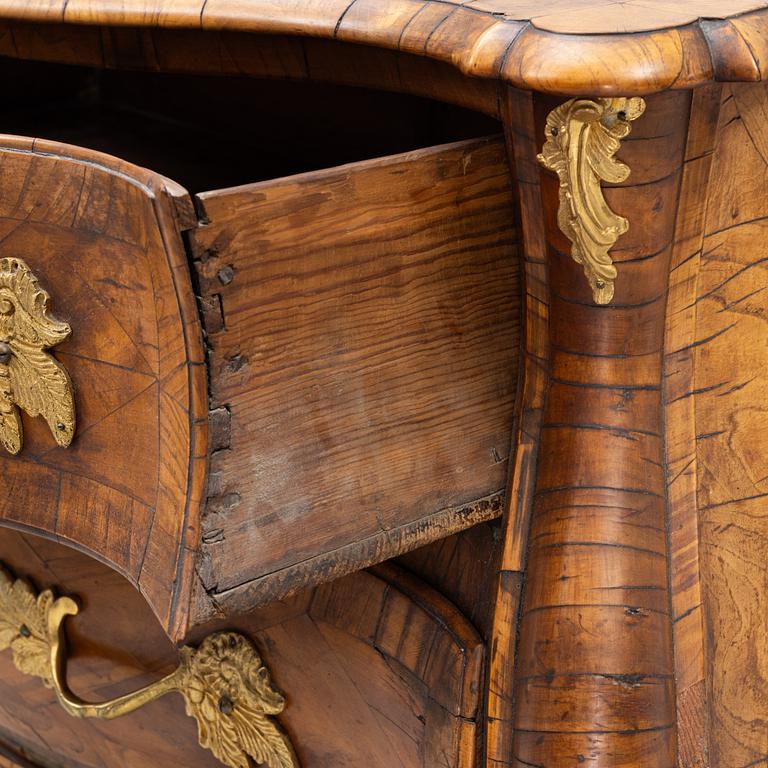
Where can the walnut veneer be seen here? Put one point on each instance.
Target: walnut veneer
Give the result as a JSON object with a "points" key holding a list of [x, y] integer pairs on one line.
{"points": [[364, 332]]}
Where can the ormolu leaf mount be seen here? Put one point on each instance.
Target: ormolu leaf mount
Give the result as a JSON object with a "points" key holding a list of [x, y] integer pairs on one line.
{"points": [[225, 685], [583, 135], [30, 378]]}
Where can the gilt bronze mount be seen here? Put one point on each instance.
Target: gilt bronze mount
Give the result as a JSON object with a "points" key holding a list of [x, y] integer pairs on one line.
{"points": [[30, 378], [583, 136]]}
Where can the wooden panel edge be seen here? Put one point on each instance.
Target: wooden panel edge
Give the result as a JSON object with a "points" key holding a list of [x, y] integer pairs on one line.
{"points": [[340, 562]]}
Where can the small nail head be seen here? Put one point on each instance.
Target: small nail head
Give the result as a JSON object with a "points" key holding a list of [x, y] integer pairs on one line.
{"points": [[226, 705], [226, 275]]}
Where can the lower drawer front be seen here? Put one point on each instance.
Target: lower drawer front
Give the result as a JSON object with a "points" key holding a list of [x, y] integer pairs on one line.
{"points": [[377, 670]]}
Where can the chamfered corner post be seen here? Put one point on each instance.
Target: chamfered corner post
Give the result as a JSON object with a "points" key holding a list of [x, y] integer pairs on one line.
{"points": [[597, 185]]}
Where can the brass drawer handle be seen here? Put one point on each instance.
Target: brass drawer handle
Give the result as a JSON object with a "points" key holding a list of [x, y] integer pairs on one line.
{"points": [[30, 378], [583, 135], [225, 685]]}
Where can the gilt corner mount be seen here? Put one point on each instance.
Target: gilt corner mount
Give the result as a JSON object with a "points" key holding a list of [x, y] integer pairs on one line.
{"points": [[583, 136], [30, 378], [225, 685]]}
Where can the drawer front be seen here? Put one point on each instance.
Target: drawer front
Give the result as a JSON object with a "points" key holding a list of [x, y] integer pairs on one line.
{"points": [[377, 669], [102, 238]]}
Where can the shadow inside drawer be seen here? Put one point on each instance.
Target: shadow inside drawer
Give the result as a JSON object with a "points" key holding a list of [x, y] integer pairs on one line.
{"points": [[208, 132]]}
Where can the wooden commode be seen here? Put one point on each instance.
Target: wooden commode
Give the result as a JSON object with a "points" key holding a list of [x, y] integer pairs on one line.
{"points": [[382, 384]]}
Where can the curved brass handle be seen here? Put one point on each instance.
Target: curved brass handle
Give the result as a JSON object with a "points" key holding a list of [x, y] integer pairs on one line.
{"points": [[225, 685], [107, 710]]}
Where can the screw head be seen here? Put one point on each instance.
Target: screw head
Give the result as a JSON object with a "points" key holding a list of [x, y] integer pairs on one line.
{"points": [[5, 353], [24, 631], [226, 705]]}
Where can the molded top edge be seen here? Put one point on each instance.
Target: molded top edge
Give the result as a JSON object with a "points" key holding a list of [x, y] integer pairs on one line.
{"points": [[588, 47]]}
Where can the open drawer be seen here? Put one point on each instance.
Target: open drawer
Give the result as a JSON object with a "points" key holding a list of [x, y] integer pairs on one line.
{"points": [[347, 397]]}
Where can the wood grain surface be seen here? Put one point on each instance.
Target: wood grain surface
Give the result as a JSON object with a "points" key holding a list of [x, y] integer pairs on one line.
{"points": [[462, 567], [559, 46], [363, 332], [378, 669], [96, 231], [731, 360], [680, 345], [594, 670], [522, 145], [238, 54], [13, 758]]}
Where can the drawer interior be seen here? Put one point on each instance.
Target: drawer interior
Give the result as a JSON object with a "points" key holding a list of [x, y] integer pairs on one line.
{"points": [[208, 132]]}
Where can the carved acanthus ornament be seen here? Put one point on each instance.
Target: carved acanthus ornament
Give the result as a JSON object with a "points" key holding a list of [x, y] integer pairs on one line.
{"points": [[30, 378], [583, 136], [225, 685]]}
